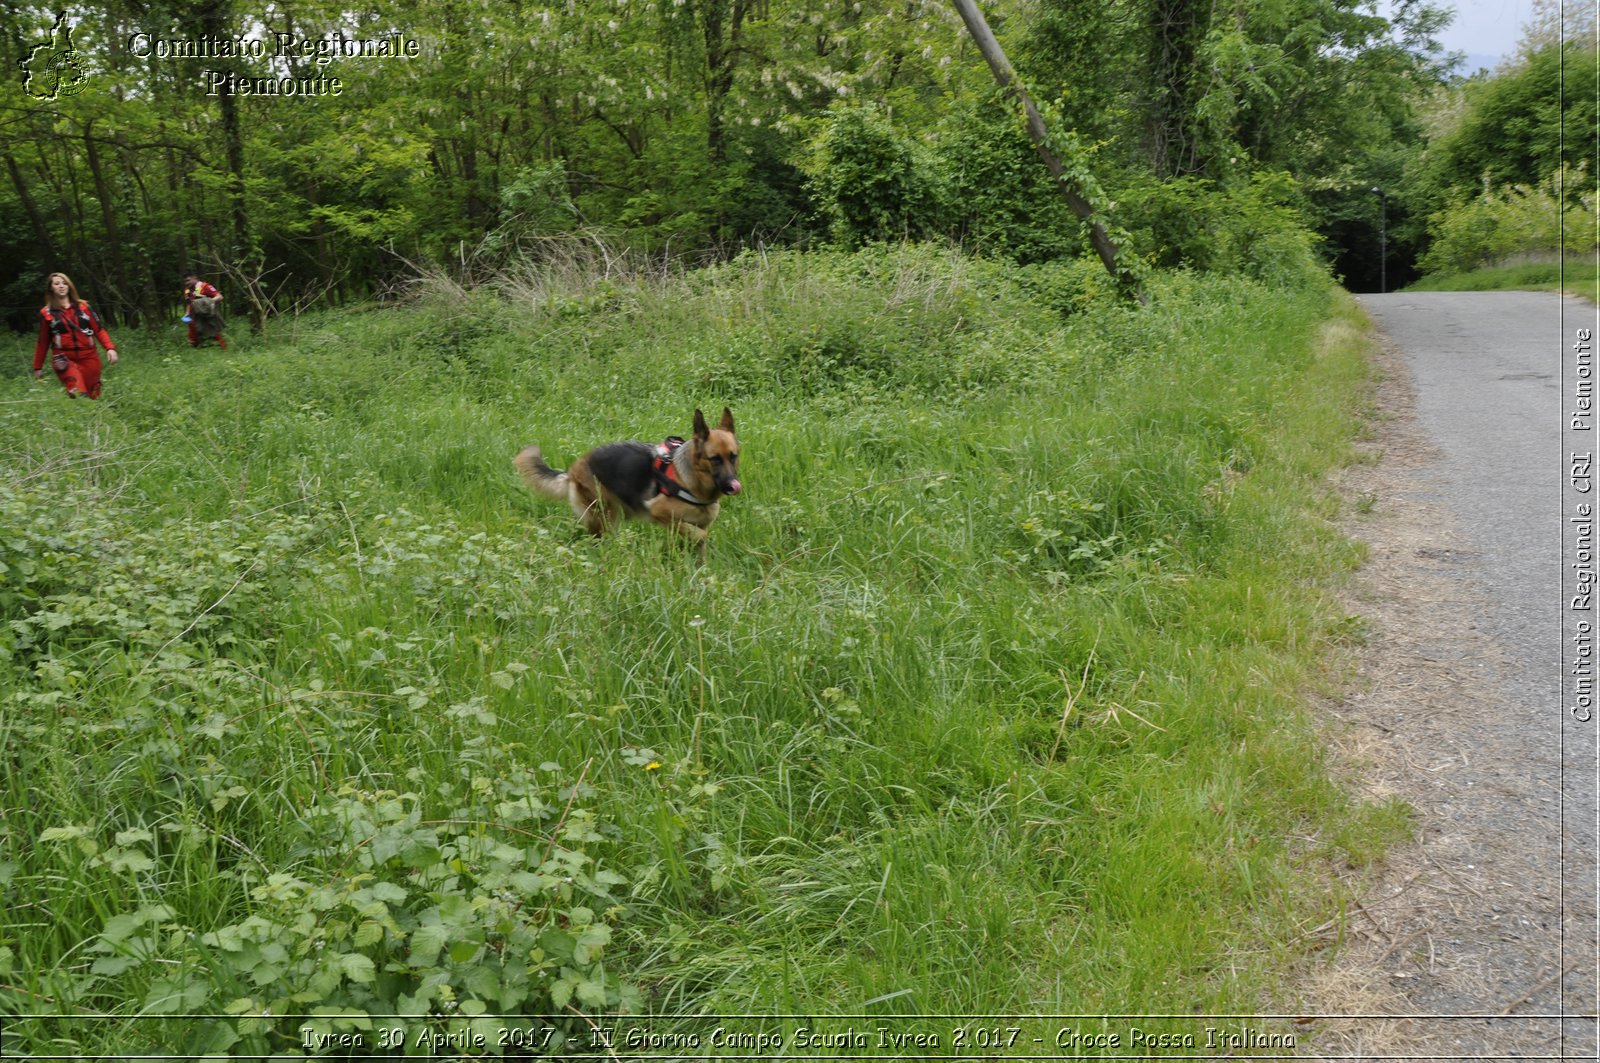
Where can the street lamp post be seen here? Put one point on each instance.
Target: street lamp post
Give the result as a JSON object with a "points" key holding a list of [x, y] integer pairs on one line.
{"points": [[1383, 238]]}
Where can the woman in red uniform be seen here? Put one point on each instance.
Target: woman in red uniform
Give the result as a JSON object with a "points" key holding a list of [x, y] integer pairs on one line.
{"points": [[68, 329]]}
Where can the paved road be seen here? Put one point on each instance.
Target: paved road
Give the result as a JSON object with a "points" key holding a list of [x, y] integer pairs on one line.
{"points": [[1494, 378]]}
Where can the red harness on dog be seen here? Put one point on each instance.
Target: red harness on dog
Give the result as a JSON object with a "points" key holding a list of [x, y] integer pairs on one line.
{"points": [[667, 473]]}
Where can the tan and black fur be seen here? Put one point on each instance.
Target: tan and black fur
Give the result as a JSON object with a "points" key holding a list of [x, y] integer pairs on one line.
{"points": [[617, 481]]}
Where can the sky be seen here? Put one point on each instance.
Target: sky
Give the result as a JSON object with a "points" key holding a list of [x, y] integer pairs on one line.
{"points": [[1485, 27], [1487, 30]]}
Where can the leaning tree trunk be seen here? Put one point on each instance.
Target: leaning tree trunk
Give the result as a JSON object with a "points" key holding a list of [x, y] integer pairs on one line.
{"points": [[1012, 85]]}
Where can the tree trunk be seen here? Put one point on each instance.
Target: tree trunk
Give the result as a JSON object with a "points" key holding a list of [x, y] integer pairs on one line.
{"points": [[722, 25], [1177, 29], [118, 281], [1012, 85], [40, 231], [214, 22]]}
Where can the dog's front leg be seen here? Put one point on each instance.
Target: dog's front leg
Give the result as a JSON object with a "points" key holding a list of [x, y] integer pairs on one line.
{"points": [[678, 517], [694, 534]]}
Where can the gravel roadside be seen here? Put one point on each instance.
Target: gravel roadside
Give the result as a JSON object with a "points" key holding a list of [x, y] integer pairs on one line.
{"points": [[1478, 938]]}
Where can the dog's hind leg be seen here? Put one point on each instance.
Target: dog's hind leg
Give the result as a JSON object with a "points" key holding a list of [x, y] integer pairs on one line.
{"points": [[597, 509], [592, 511]]}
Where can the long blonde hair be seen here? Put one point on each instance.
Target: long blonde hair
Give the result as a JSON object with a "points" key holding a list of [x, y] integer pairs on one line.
{"points": [[74, 299]]}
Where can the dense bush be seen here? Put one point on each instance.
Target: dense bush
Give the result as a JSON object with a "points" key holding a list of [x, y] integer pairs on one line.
{"points": [[869, 180], [1553, 218], [1001, 199], [1507, 168], [1257, 229]]}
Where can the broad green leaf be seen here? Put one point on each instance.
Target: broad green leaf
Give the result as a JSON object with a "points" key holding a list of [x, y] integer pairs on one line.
{"points": [[561, 992], [592, 993], [357, 968], [113, 965], [426, 941]]}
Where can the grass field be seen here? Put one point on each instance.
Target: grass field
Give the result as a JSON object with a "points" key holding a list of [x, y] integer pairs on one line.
{"points": [[988, 700], [1578, 277]]}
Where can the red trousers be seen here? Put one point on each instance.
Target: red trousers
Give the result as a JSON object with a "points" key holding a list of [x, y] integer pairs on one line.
{"points": [[82, 375], [194, 338]]}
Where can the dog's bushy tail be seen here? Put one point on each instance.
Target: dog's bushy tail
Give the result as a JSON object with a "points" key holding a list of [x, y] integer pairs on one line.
{"points": [[539, 476]]}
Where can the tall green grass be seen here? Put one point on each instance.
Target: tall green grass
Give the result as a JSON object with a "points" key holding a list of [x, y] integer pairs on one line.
{"points": [[1576, 276], [987, 699]]}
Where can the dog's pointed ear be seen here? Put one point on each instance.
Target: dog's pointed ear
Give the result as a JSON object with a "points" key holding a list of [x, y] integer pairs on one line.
{"points": [[727, 420], [701, 430]]}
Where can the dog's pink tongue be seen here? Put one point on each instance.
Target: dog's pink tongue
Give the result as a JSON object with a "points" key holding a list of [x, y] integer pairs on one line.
{"points": [[734, 487]]}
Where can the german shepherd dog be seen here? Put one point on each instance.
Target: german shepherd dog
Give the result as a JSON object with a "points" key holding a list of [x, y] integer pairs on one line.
{"points": [[677, 483]]}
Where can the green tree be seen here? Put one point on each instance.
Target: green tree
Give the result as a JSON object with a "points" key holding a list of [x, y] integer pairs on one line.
{"points": [[1509, 159], [1522, 125]]}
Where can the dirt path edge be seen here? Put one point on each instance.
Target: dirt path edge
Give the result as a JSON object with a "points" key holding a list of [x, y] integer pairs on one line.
{"points": [[1452, 944]]}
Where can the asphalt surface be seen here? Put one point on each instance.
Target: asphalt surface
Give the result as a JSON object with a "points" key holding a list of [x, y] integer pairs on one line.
{"points": [[1494, 378]]}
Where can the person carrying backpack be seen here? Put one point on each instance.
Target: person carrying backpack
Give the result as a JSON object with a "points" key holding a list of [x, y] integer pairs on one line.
{"points": [[68, 331], [202, 310]]}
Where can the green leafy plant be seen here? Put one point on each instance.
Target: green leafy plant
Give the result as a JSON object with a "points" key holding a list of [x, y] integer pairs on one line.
{"points": [[1257, 229], [1503, 224], [1065, 533], [502, 906], [868, 179]]}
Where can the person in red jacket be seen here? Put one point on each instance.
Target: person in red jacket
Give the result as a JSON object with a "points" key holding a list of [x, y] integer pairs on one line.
{"points": [[68, 330], [192, 287]]}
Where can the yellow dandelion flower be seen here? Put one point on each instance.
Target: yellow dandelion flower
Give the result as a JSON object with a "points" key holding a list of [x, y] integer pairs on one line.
{"points": [[652, 766]]}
